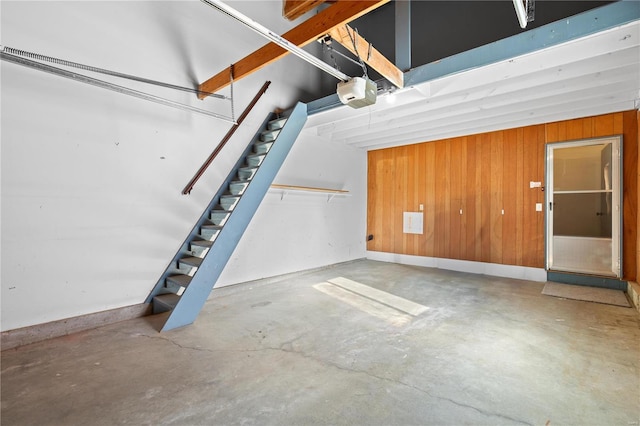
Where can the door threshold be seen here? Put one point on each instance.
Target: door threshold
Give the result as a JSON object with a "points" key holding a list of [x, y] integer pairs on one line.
{"points": [[587, 280]]}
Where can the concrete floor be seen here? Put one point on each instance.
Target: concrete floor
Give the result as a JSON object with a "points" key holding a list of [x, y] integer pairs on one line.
{"points": [[487, 351]]}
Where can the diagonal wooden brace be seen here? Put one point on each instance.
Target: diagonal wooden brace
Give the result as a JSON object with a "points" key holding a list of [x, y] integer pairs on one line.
{"points": [[369, 55], [309, 31]]}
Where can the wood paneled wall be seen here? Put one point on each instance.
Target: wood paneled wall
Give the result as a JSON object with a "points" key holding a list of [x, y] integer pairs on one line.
{"points": [[475, 191]]}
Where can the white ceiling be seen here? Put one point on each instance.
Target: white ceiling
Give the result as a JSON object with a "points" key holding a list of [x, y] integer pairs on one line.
{"points": [[592, 75]]}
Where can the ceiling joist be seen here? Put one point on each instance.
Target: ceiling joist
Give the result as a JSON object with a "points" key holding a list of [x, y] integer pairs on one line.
{"points": [[309, 31], [347, 37]]}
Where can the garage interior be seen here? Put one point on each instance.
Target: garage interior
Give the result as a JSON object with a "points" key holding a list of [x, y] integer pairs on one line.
{"points": [[387, 263]]}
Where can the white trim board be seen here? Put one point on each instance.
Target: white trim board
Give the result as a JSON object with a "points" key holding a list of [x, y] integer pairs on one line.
{"points": [[482, 268]]}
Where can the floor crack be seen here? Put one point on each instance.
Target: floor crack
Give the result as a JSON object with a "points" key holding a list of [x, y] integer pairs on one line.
{"points": [[486, 413], [290, 350], [387, 379]]}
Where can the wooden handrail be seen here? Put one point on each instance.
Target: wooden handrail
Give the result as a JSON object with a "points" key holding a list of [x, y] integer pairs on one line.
{"points": [[187, 189]]}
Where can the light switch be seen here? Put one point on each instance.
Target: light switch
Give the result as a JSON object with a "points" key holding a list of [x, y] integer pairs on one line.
{"points": [[421, 207], [538, 207]]}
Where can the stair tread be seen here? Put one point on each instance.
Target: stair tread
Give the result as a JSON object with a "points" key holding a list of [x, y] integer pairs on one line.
{"points": [[201, 243], [169, 300], [220, 210], [219, 217], [277, 123], [180, 279], [261, 147], [269, 131], [191, 261], [269, 135], [238, 188], [211, 225]]}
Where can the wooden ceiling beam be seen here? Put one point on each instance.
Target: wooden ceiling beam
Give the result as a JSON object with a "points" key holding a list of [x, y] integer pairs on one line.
{"points": [[340, 13], [293, 9], [369, 55]]}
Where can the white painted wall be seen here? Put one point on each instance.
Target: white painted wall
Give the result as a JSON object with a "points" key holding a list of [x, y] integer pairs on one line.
{"points": [[309, 229], [91, 180]]}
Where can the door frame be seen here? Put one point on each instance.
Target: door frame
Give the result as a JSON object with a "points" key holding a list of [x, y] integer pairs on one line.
{"points": [[617, 200]]}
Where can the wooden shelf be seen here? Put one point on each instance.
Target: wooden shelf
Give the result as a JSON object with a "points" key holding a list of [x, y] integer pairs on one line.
{"points": [[294, 188]]}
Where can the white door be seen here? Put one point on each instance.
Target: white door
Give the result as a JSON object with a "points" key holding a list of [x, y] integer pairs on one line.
{"points": [[584, 206]]}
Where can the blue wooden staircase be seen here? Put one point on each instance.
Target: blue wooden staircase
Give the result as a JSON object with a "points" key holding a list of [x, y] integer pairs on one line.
{"points": [[185, 285]]}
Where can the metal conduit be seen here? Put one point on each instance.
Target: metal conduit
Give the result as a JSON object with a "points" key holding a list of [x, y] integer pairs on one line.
{"points": [[44, 58], [109, 86]]}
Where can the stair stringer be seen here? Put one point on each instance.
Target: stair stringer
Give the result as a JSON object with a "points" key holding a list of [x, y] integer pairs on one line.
{"points": [[185, 249], [195, 295]]}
